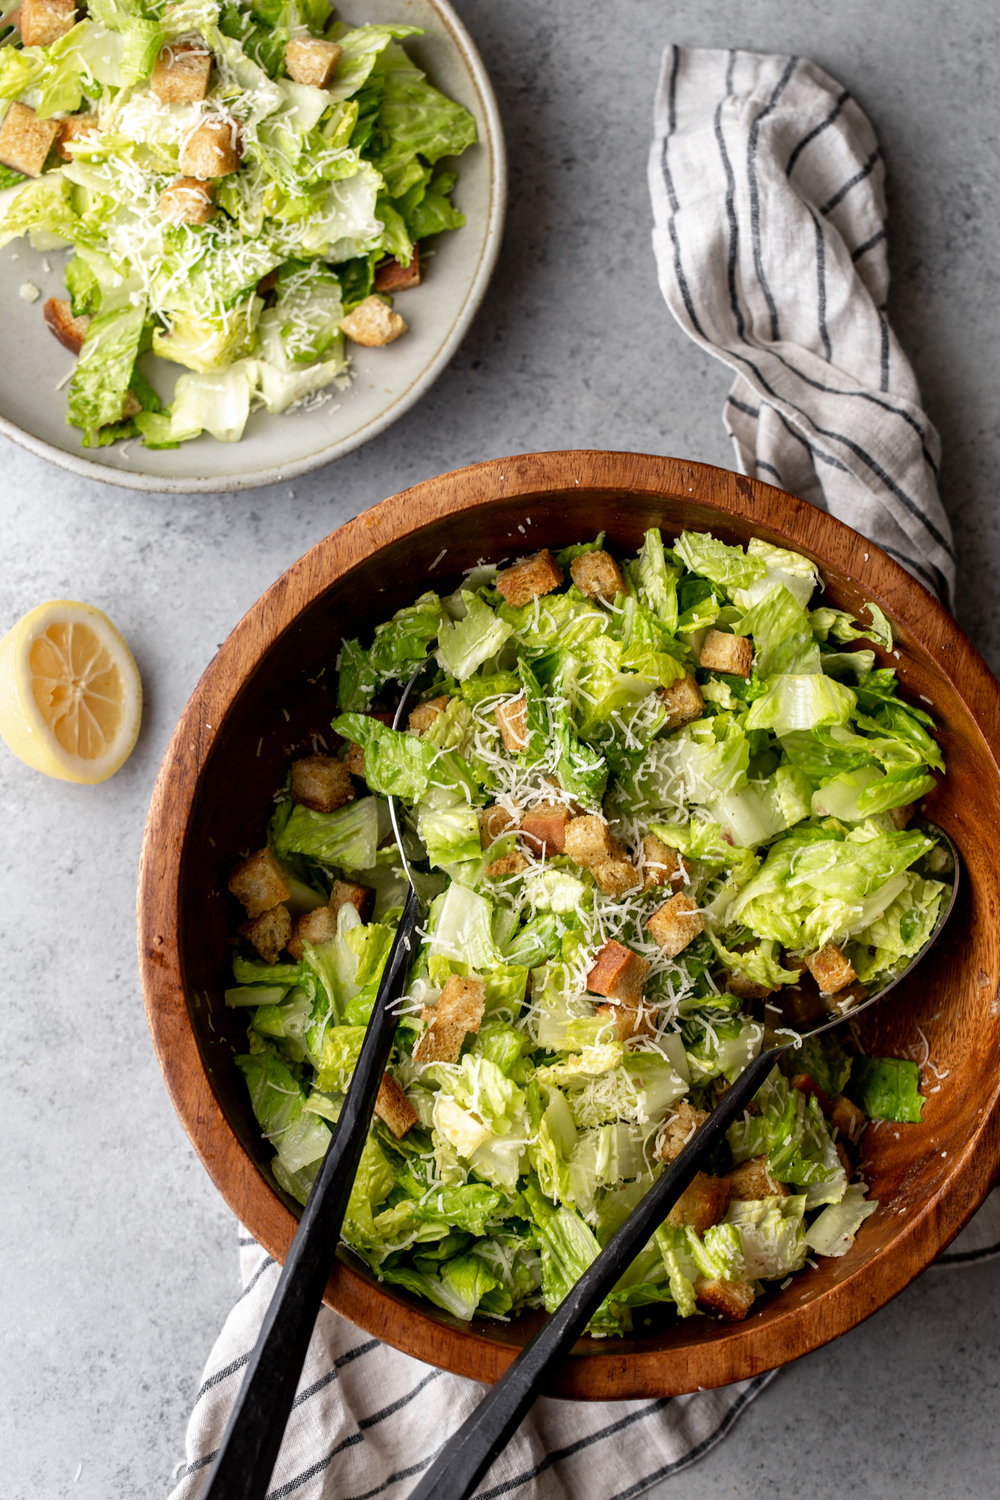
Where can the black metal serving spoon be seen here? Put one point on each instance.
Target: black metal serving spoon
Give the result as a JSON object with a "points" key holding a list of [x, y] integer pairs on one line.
{"points": [[246, 1456], [467, 1455]]}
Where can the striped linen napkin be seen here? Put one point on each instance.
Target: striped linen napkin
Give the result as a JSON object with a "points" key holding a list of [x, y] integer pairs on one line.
{"points": [[769, 233]]}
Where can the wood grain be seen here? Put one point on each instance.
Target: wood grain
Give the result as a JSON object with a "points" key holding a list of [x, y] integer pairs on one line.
{"points": [[230, 751]]}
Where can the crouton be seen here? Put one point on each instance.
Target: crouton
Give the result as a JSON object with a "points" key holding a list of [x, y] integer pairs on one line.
{"points": [[310, 60], [393, 1108], [616, 875], [494, 822], [512, 722], [529, 578], [373, 323], [322, 783], [589, 840], [424, 714], [731, 1299], [661, 865], [831, 969], [544, 828], [316, 926], [846, 1117], [630, 1020], [618, 974], [701, 1204], [74, 128], [507, 864], [900, 816], [259, 883], [354, 760], [269, 932], [746, 988], [843, 1158], [25, 140], [70, 331], [130, 406], [180, 76], [682, 701], [678, 1130], [726, 653], [390, 276], [187, 201], [42, 22], [752, 1179], [347, 893], [597, 575], [459, 1010], [213, 149], [675, 924]]}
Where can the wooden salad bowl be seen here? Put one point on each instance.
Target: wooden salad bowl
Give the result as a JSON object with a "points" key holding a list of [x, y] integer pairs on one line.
{"points": [[270, 689]]}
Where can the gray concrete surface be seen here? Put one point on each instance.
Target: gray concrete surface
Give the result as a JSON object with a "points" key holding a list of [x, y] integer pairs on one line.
{"points": [[118, 1258]]}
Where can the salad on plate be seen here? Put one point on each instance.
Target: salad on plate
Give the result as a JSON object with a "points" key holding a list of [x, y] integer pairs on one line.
{"points": [[242, 185], [646, 795]]}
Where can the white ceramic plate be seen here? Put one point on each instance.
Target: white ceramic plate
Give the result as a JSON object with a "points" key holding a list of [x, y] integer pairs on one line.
{"points": [[386, 382]]}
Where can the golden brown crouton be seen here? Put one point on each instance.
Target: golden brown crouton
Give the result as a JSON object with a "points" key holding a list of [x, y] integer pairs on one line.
{"points": [[752, 1179], [494, 822], [702, 1204], [393, 1108], [616, 875], [901, 815], [70, 331], [727, 653], [846, 1117], [424, 714], [187, 201], [259, 883], [347, 893], [589, 840], [213, 149], [42, 22], [675, 924], [74, 128], [507, 864], [529, 577], [180, 76], [459, 1010], [630, 1020], [618, 974], [661, 865], [544, 828], [512, 722], [747, 989], [25, 140], [321, 782], [597, 575], [316, 926], [310, 60], [831, 969], [732, 1299], [682, 701], [130, 406], [373, 323], [269, 932], [678, 1130], [390, 276], [354, 760]]}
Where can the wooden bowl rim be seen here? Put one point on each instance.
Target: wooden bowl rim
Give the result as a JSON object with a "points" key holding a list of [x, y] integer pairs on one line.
{"points": [[743, 1349]]}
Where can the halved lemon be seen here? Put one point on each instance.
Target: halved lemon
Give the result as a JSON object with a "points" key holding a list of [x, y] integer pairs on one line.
{"points": [[70, 693]]}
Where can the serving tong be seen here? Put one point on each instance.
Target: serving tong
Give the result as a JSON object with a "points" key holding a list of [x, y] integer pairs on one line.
{"points": [[249, 1448]]}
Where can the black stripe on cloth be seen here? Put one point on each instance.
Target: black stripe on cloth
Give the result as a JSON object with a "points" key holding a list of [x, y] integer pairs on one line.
{"points": [[824, 332], [394, 1479], [811, 449], [884, 326], [558, 1454], [245, 1241], [201, 1463], [806, 139], [223, 1374], [748, 411], [852, 182], [869, 244], [738, 1405], [761, 464], [265, 1265], [332, 1374], [291, 1485], [933, 583], [966, 1257], [668, 183], [758, 259]]}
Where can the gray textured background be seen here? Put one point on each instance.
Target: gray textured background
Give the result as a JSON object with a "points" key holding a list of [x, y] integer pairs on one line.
{"points": [[119, 1260]]}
